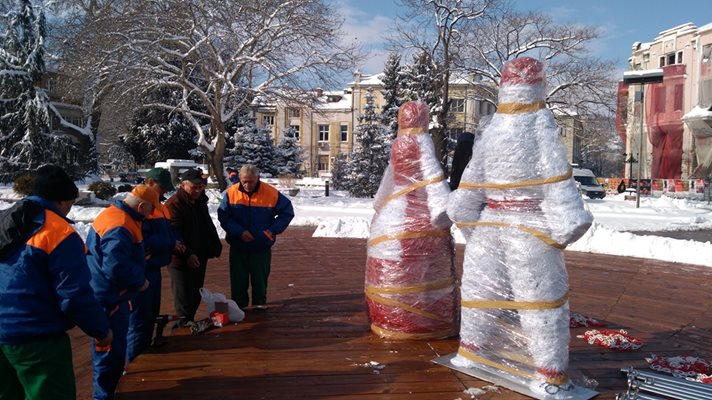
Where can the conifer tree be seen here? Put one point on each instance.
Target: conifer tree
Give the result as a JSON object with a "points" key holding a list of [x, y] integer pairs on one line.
{"points": [[391, 93], [371, 153], [340, 172], [24, 121], [251, 145], [288, 154]]}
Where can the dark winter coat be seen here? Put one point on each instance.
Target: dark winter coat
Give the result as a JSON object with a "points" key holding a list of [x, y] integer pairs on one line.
{"points": [[192, 222], [264, 208], [44, 278], [116, 255]]}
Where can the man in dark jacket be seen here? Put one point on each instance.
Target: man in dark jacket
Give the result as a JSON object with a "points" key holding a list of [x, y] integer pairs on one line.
{"points": [[252, 213], [159, 242], [463, 152], [44, 291], [116, 261], [190, 218]]}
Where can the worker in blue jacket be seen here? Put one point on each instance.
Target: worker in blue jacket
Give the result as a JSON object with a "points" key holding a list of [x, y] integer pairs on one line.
{"points": [[116, 260], [44, 291], [160, 241], [252, 213]]}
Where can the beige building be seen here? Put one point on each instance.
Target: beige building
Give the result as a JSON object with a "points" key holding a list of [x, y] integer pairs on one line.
{"points": [[673, 122], [326, 128]]}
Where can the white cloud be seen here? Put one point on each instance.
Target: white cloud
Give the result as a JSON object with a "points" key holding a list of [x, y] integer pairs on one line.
{"points": [[369, 30]]}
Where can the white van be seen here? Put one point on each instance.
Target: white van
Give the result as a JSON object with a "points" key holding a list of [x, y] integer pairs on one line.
{"points": [[177, 167], [587, 184]]}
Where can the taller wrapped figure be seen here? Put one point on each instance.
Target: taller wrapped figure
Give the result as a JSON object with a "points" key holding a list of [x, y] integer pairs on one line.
{"points": [[410, 272], [518, 207]]}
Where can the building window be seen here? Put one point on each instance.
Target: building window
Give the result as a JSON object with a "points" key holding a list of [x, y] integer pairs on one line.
{"points": [[267, 120], [485, 108], [662, 62], [323, 163], [671, 59], [296, 131], [455, 132], [323, 132], [679, 57], [293, 112], [457, 105], [344, 130]]}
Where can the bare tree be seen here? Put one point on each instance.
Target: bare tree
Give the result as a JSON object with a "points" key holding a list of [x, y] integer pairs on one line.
{"points": [[578, 84], [217, 54], [436, 26]]}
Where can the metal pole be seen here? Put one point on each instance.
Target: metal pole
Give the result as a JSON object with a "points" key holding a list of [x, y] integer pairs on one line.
{"points": [[640, 154]]}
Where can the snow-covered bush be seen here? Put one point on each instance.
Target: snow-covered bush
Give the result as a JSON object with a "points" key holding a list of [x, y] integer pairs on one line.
{"points": [[102, 190]]}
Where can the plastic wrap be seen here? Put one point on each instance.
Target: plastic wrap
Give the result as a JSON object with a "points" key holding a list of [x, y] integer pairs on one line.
{"points": [[518, 207], [410, 274]]}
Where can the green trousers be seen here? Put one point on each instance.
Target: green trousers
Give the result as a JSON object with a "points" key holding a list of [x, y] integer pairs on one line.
{"points": [[249, 269], [38, 370]]}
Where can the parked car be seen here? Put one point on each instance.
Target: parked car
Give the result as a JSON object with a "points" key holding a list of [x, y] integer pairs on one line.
{"points": [[587, 184]]}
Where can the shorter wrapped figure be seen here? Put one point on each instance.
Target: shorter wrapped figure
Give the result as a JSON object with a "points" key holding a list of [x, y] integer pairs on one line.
{"points": [[410, 273], [518, 207]]}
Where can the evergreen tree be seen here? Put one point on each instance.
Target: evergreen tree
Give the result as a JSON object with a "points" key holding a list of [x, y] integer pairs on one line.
{"points": [[340, 172], [25, 143], [421, 81], [251, 145], [391, 93], [371, 153], [156, 135], [288, 154]]}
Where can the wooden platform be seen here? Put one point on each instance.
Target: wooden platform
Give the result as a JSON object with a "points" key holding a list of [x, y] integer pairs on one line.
{"points": [[315, 342]]}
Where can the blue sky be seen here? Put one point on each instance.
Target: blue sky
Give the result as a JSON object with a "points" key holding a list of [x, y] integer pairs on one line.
{"points": [[622, 22]]}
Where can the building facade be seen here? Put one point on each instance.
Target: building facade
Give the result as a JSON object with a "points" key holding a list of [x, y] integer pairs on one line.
{"points": [[670, 121], [325, 128]]}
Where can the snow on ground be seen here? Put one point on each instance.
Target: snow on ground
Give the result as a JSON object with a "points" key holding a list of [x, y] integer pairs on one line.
{"points": [[614, 218]]}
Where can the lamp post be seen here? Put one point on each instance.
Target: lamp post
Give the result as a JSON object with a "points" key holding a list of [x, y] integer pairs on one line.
{"points": [[630, 160], [641, 77]]}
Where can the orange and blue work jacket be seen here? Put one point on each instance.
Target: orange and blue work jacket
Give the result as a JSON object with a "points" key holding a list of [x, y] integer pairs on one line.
{"points": [[44, 278], [257, 212], [115, 254], [159, 238]]}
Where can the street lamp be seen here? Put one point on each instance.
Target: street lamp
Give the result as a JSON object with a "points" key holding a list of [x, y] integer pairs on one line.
{"points": [[630, 160], [641, 77]]}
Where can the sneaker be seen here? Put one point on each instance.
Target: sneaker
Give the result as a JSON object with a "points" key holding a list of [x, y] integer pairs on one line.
{"points": [[260, 308]]}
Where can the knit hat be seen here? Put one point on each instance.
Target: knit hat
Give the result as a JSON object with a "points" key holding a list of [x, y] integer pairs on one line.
{"points": [[163, 177], [147, 194], [194, 175], [53, 184]]}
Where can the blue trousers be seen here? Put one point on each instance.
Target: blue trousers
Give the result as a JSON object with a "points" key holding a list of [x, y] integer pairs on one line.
{"points": [[109, 363], [145, 307]]}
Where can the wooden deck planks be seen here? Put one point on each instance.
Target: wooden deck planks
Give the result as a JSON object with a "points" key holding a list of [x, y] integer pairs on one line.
{"points": [[315, 340]]}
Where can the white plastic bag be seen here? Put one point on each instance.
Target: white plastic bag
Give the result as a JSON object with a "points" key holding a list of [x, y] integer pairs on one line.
{"points": [[236, 315]]}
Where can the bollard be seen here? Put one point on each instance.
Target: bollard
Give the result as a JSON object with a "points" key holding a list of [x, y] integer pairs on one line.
{"points": [[326, 188]]}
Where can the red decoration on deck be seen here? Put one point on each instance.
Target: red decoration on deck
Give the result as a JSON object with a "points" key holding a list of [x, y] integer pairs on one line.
{"points": [[613, 339]]}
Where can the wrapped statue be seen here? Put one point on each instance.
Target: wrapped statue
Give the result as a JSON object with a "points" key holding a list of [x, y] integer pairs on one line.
{"points": [[410, 273], [518, 207]]}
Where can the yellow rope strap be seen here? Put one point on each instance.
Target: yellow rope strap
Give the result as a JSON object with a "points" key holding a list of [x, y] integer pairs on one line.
{"points": [[534, 232], [515, 185], [399, 304], [471, 356], [520, 108], [425, 287], [409, 235], [517, 305], [408, 189], [413, 336], [411, 131]]}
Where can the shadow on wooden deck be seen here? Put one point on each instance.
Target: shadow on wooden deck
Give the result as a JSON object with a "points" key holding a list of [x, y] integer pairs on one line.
{"points": [[314, 342]]}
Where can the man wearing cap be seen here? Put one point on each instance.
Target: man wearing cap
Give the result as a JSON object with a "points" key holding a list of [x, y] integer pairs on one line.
{"points": [[44, 291], [190, 217], [160, 241], [116, 260], [252, 213]]}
